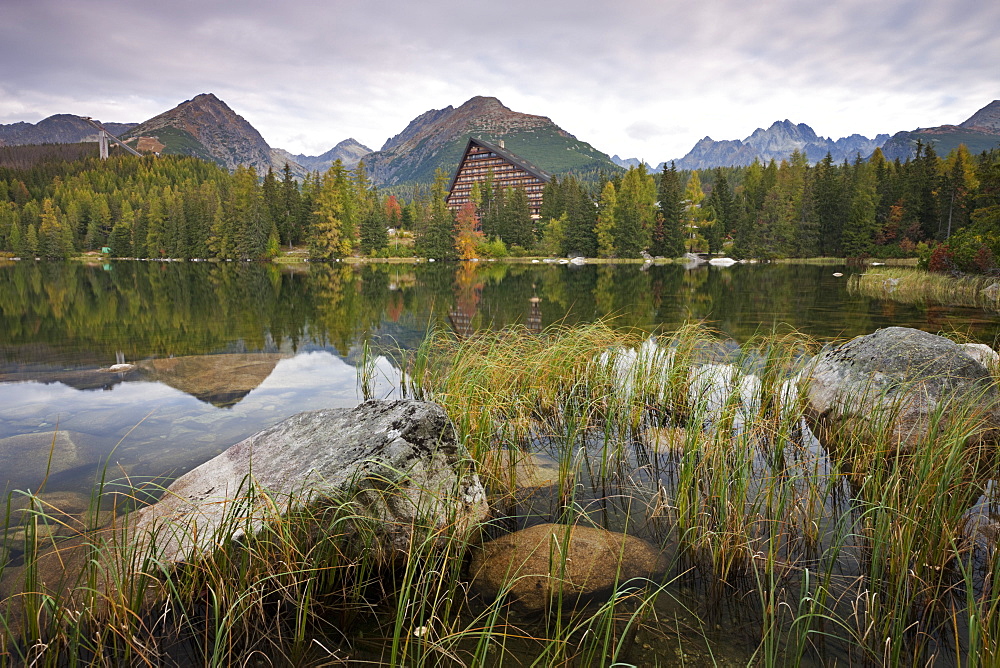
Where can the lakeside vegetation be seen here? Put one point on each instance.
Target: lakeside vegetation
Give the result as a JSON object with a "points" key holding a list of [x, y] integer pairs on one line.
{"points": [[54, 206], [919, 286], [767, 535]]}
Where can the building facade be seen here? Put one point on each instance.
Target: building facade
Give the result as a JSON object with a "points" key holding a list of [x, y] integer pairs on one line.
{"points": [[481, 158]]}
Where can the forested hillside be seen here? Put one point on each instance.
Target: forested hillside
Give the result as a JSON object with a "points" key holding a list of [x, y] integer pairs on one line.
{"points": [[182, 207]]}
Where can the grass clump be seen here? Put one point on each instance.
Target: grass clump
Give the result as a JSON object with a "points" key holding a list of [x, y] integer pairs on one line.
{"points": [[918, 286]]}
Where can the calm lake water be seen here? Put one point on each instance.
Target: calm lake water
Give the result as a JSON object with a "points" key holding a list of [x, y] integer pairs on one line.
{"points": [[221, 351], [224, 350]]}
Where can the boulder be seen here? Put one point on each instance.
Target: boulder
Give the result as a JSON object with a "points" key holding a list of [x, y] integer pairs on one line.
{"points": [[398, 462], [984, 354], [892, 383], [535, 564]]}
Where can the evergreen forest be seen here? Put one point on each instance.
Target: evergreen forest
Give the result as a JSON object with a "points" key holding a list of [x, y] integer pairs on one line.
{"points": [[58, 203]]}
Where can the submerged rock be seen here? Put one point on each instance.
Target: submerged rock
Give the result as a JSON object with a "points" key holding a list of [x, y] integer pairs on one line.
{"points": [[397, 462], [29, 458], [892, 383], [535, 565]]}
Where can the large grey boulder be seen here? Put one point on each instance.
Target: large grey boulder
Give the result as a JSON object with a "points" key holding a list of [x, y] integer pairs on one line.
{"points": [[397, 462], [536, 564], [896, 385]]}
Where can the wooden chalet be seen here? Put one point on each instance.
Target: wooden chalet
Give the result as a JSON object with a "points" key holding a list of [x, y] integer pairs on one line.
{"points": [[509, 171]]}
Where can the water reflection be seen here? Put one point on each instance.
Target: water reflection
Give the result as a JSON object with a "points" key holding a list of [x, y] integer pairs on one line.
{"points": [[146, 430], [223, 350]]}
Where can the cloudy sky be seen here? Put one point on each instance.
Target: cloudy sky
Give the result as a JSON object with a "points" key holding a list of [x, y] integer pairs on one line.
{"points": [[640, 78]]}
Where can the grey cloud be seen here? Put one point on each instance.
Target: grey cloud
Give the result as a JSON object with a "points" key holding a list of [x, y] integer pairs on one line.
{"points": [[324, 70]]}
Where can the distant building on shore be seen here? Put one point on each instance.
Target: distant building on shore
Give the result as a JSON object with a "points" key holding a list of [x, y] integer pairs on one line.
{"points": [[509, 171]]}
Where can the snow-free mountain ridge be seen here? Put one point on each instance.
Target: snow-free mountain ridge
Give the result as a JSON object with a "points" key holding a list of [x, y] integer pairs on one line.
{"points": [[436, 138], [777, 143], [206, 127]]}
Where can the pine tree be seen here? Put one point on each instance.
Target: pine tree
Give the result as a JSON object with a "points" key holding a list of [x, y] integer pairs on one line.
{"points": [[958, 182], [580, 235], [248, 219], [806, 242], [921, 197], [15, 240], [156, 228], [31, 241], [55, 238], [635, 213], [720, 209], [120, 240], [694, 215]]}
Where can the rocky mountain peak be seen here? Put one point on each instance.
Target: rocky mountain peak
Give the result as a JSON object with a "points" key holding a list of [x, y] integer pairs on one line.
{"points": [[436, 138], [226, 137], [986, 119]]}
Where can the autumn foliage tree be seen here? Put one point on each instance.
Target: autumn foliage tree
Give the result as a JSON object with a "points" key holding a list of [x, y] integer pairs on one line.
{"points": [[468, 234]]}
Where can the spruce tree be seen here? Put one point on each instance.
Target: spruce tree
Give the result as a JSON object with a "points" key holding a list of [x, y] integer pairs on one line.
{"points": [[374, 234], [830, 210], [580, 235], [860, 227], [438, 238], [520, 229], [669, 237]]}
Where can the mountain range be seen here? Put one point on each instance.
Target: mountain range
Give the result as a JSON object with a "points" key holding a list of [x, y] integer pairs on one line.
{"points": [[58, 129], [206, 127], [776, 143]]}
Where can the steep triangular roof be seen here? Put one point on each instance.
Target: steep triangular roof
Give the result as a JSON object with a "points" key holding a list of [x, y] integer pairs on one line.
{"points": [[535, 171]]}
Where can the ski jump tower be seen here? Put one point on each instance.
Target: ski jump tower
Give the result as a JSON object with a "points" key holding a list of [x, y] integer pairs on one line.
{"points": [[103, 136]]}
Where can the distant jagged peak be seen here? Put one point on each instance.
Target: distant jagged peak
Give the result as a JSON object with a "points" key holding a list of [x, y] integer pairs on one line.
{"points": [[349, 151], [351, 143], [783, 129], [777, 142]]}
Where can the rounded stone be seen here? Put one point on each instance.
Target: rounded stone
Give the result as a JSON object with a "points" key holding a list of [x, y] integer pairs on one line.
{"points": [[535, 565]]}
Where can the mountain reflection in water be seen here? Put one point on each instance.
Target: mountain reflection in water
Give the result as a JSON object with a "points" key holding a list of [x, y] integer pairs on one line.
{"points": [[224, 350]]}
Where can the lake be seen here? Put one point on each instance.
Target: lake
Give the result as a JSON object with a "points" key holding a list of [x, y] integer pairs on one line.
{"points": [[219, 351], [224, 350]]}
